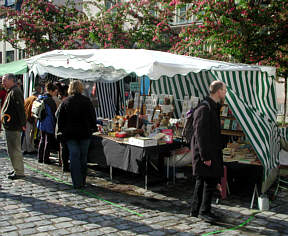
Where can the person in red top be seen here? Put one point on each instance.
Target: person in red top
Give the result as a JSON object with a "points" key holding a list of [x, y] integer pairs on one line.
{"points": [[3, 94]]}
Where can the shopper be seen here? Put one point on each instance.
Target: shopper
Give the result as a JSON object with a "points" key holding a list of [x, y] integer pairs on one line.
{"points": [[3, 94], [47, 125], [206, 147], [13, 119], [63, 151], [28, 146], [76, 122]]}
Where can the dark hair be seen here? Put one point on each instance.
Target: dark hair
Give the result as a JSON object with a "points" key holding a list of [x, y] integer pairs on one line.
{"points": [[63, 90], [215, 86], [50, 86], [10, 76]]}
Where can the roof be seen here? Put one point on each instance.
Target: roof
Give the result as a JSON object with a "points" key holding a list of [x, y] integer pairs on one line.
{"points": [[16, 67], [114, 64]]}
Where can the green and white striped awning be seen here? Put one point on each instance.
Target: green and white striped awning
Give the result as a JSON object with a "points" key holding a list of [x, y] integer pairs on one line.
{"points": [[284, 133], [250, 96]]}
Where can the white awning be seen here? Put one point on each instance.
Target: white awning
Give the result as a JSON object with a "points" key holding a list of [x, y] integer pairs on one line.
{"points": [[114, 64]]}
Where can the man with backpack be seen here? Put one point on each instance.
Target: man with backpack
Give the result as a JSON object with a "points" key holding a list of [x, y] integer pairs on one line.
{"points": [[206, 148], [46, 123]]}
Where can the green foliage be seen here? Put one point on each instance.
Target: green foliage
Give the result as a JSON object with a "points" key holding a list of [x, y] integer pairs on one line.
{"points": [[44, 26], [240, 31]]}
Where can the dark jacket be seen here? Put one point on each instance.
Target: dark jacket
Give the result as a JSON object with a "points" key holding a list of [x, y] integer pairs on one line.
{"points": [[206, 141], [13, 107], [76, 118], [48, 123]]}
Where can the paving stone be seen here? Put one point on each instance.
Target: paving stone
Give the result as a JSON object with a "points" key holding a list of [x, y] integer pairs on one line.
{"points": [[182, 227], [41, 234], [76, 229], [29, 231], [11, 234], [91, 226], [185, 234], [21, 215], [63, 225], [4, 223], [25, 225], [10, 207], [60, 219], [15, 222], [157, 233], [108, 230], [46, 228], [60, 232], [122, 226], [32, 219], [142, 229], [126, 233], [43, 222], [8, 229]]}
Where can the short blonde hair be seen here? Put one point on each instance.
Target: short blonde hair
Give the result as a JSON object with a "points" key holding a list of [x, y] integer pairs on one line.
{"points": [[75, 87]]}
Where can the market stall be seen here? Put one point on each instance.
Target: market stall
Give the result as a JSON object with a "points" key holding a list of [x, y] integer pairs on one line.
{"points": [[250, 89], [17, 68]]}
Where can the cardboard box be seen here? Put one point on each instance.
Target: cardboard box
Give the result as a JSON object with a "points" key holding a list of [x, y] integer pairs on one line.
{"points": [[142, 142]]}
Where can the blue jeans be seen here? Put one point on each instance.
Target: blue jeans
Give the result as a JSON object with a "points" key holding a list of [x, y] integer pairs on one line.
{"points": [[78, 151]]}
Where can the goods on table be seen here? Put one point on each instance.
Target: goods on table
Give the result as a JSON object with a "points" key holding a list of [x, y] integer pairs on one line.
{"points": [[240, 152]]}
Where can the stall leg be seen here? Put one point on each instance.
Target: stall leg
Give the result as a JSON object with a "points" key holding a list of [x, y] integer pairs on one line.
{"points": [[174, 169], [167, 167], [255, 192], [146, 174], [111, 173]]}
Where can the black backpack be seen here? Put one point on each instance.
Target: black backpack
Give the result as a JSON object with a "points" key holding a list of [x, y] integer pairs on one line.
{"points": [[187, 132]]}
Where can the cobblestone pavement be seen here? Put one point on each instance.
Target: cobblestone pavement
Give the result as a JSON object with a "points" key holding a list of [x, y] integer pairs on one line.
{"points": [[44, 203]]}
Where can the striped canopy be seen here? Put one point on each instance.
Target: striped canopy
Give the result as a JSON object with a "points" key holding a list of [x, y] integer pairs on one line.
{"points": [[250, 96], [250, 89]]}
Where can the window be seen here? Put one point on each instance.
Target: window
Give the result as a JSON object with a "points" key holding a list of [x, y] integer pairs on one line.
{"points": [[182, 15], [111, 3], [9, 56], [10, 32], [10, 3], [21, 54]]}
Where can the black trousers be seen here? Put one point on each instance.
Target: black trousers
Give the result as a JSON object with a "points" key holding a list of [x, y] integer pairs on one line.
{"points": [[203, 193], [45, 146]]}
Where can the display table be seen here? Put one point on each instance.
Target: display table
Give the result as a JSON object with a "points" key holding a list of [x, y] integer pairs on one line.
{"points": [[241, 175], [115, 152]]}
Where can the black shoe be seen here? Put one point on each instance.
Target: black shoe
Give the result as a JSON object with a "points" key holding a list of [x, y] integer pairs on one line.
{"points": [[78, 187], [48, 162], [193, 214], [40, 161], [207, 218], [14, 176], [30, 153], [214, 216], [66, 169], [11, 172]]}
